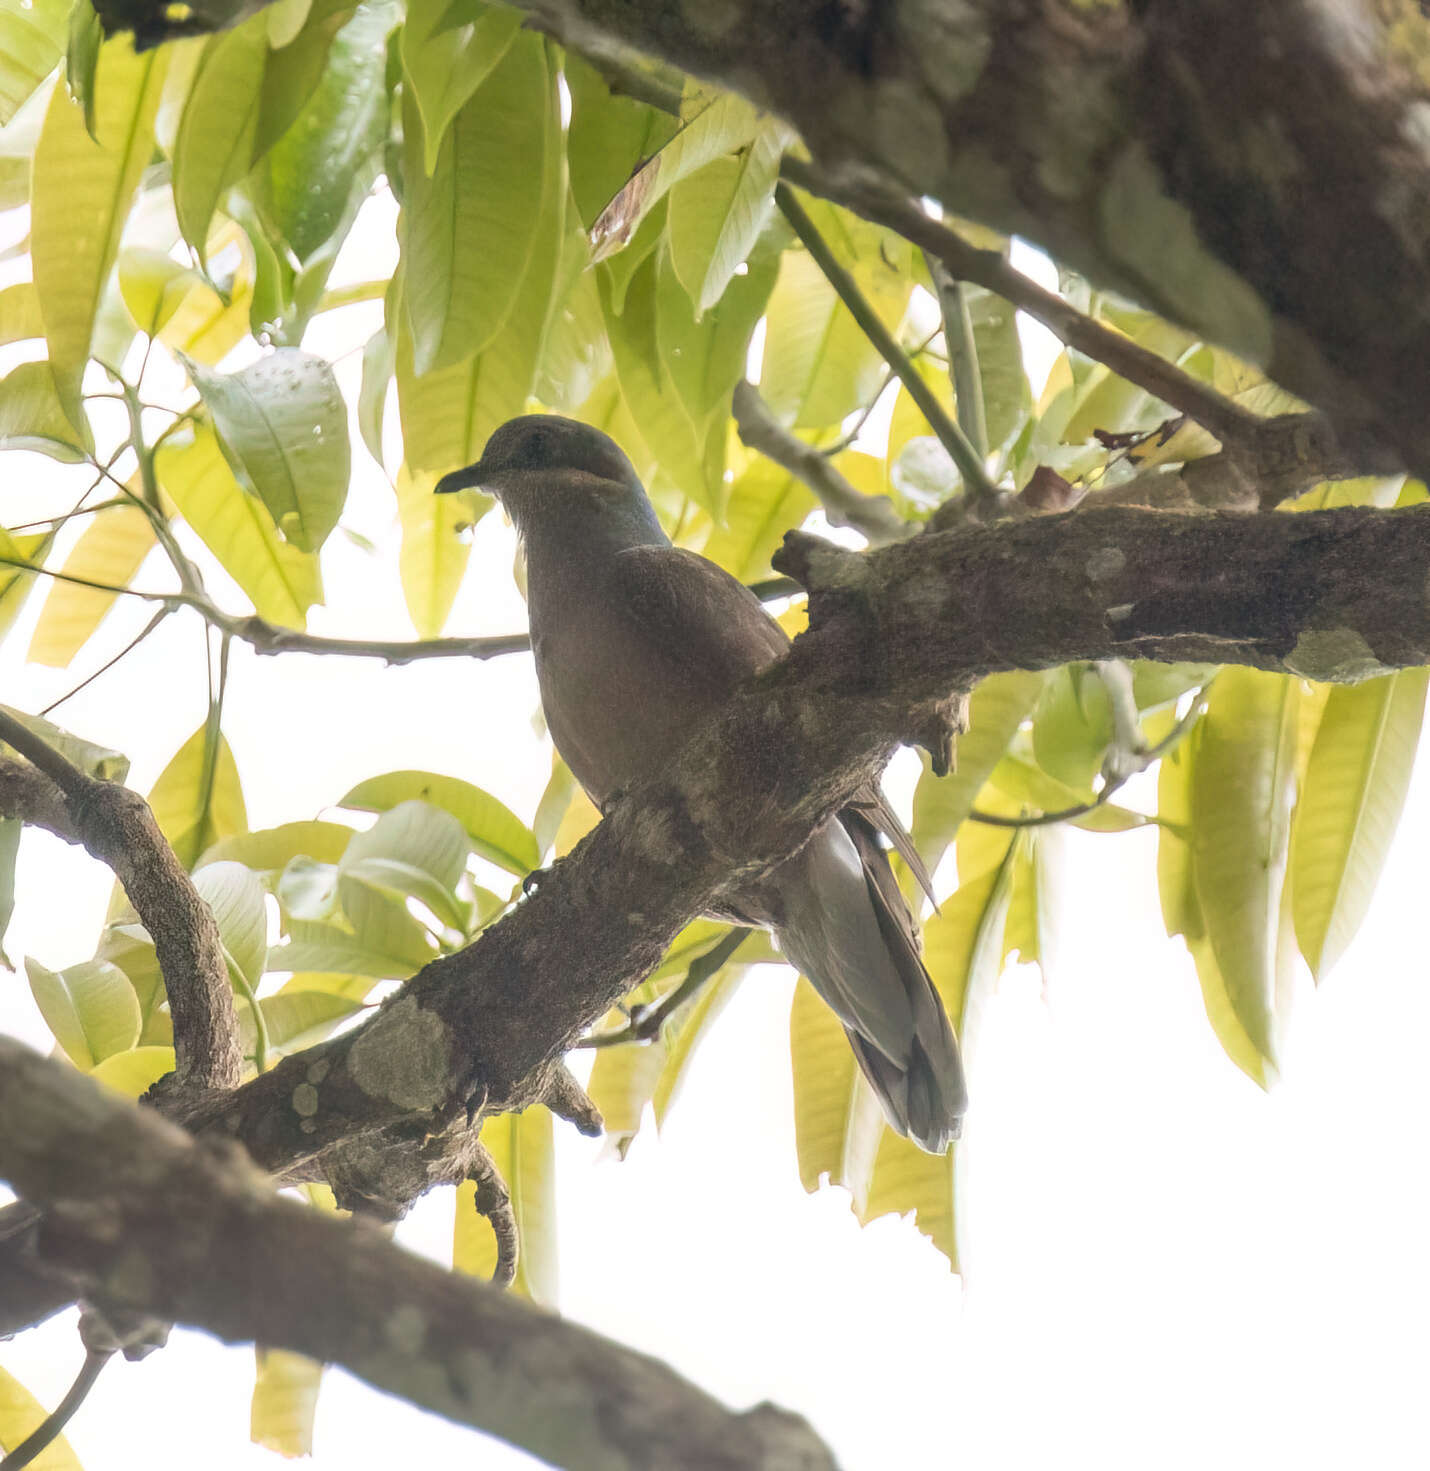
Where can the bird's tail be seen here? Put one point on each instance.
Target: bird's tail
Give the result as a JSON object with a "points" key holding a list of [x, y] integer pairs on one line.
{"points": [[844, 924]]}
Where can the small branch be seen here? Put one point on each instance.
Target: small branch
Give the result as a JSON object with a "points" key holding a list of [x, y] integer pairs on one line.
{"points": [[109, 664], [139, 1212], [493, 1200], [647, 1021], [981, 489], [568, 1100], [987, 268], [873, 516], [962, 355], [116, 826]]}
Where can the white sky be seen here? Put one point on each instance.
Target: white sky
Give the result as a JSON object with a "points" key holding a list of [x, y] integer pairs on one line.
{"points": [[1165, 1267]]}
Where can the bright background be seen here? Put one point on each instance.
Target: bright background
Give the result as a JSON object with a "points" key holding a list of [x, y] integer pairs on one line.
{"points": [[1164, 1266]]}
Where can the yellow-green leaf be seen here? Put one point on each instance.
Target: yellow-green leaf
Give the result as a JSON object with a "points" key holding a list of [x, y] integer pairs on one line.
{"points": [[1355, 787], [497, 833], [214, 144], [764, 503], [82, 190], [1242, 783], [21, 1414], [459, 293], [197, 799], [134, 1072], [14, 584], [281, 580], [434, 549], [91, 1009], [445, 64], [111, 549], [285, 1400], [522, 1147], [998, 707], [33, 415]]}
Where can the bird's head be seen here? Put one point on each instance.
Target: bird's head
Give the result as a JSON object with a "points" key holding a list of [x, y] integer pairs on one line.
{"points": [[543, 465]]}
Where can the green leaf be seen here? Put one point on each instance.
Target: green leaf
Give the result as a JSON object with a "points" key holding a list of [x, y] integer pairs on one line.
{"points": [[236, 898], [82, 48], [379, 362], [20, 317], [307, 183], [197, 799], [284, 429], [719, 124], [413, 849], [81, 195], [522, 1147], [296, 64], [1032, 928], [458, 296], [307, 889], [818, 364], [444, 65], [907, 1179], [21, 1414], [550, 810], [32, 39], [153, 285], [214, 144], [496, 832], [96, 761], [1354, 791], [111, 549], [91, 1008], [285, 1401], [33, 417], [684, 1032], [325, 948], [434, 549], [14, 584], [1072, 726], [1007, 398], [270, 849], [1229, 787], [999, 706], [717, 213], [299, 1018], [764, 503], [281, 580], [608, 137]]}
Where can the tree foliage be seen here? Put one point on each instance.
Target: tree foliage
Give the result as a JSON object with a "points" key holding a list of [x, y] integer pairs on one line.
{"points": [[613, 244]]}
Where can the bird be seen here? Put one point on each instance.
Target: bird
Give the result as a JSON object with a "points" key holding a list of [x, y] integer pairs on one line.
{"points": [[637, 643]]}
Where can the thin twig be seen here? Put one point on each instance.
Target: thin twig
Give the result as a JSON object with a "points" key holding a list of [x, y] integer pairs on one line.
{"points": [[987, 268], [109, 664], [874, 516], [493, 1200], [646, 1021], [1133, 760], [975, 473], [968, 402]]}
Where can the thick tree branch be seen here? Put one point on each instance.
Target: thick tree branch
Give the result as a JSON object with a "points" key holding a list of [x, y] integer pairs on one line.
{"points": [[139, 1212], [116, 826]]}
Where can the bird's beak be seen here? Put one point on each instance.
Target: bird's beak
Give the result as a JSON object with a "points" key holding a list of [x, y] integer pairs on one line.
{"points": [[466, 479]]}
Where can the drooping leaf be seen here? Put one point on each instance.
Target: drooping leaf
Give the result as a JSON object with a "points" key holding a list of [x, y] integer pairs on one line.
{"points": [[91, 1008], [459, 294], [33, 417], [82, 191], [718, 124], [444, 65], [327, 949], [496, 832], [285, 1401], [197, 799], [434, 548], [1356, 781], [110, 550], [716, 214], [15, 585], [280, 579], [283, 426], [10, 828], [1072, 726], [300, 1016], [20, 313], [414, 850], [32, 39], [307, 183], [236, 898], [522, 1147], [93, 760], [763, 503], [270, 849], [215, 141]]}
